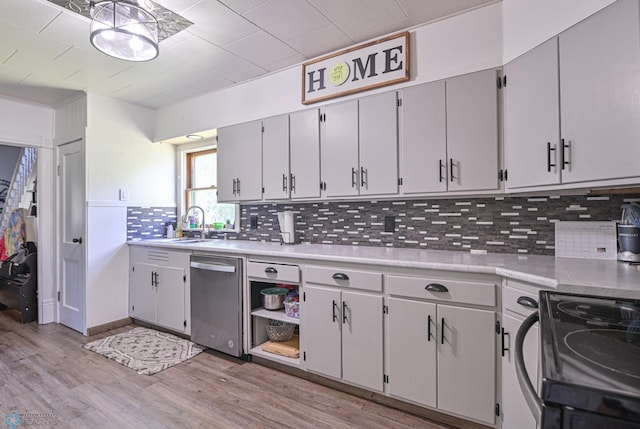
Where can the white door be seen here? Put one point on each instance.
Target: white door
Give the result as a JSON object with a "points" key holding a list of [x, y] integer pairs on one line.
{"points": [[412, 350], [424, 139], [71, 228], [532, 118], [305, 154], [362, 339], [467, 362], [142, 292], [378, 130], [515, 411], [275, 158], [322, 321], [339, 152], [472, 131], [599, 108], [170, 298]]}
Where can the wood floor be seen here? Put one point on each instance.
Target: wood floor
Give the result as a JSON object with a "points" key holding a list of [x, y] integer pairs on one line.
{"points": [[46, 374]]}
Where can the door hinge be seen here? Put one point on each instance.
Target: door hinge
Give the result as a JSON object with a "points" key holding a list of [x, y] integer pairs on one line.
{"points": [[133, 268], [133, 307], [506, 174], [59, 169], [184, 278], [304, 297], [498, 327], [385, 378], [185, 323], [497, 410], [304, 356], [399, 102], [504, 81], [385, 309], [263, 189], [58, 296], [263, 128]]}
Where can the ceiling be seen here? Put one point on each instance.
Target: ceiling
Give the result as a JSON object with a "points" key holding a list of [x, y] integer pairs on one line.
{"points": [[45, 51]]}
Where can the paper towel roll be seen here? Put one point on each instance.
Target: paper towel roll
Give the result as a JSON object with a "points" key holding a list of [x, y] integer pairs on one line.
{"points": [[287, 229], [31, 228]]}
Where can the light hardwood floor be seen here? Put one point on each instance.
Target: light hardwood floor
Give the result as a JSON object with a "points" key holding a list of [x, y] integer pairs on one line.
{"points": [[45, 372]]}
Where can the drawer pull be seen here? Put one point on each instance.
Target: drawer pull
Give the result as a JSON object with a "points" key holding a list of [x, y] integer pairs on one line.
{"points": [[442, 331], [344, 312], [270, 270], [340, 276], [528, 302], [436, 287], [429, 328], [335, 311]]}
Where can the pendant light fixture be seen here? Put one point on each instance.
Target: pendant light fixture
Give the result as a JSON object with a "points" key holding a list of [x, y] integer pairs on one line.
{"points": [[124, 30]]}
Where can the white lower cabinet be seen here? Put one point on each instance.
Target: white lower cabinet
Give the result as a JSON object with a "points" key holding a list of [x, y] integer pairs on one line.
{"points": [[158, 288], [442, 355], [518, 301], [343, 328]]}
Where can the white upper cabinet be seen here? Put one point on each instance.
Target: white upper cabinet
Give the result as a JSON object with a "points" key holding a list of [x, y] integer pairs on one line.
{"points": [[449, 135], [599, 98], [360, 147], [304, 147], [275, 158], [378, 126], [472, 132], [339, 154], [532, 118], [240, 162], [571, 112], [424, 139]]}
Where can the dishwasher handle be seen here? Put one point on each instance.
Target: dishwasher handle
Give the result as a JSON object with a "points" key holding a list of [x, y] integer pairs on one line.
{"points": [[209, 266]]}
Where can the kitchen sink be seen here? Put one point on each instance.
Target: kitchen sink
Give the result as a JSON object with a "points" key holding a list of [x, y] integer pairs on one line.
{"points": [[180, 240]]}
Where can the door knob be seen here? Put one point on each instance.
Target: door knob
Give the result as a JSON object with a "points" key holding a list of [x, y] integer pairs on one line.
{"points": [[77, 240]]}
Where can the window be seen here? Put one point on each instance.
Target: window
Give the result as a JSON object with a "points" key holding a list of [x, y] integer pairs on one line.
{"points": [[201, 190]]}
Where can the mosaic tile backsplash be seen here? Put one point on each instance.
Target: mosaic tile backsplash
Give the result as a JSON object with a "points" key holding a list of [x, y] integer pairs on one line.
{"points": [[149, 222], [497, 225]]}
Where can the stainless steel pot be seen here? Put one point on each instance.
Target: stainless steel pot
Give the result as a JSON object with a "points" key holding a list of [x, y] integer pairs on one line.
{"points": [[273, 297]]}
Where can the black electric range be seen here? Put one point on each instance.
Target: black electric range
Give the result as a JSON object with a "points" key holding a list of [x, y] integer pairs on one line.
{"points": [[590, 349]]}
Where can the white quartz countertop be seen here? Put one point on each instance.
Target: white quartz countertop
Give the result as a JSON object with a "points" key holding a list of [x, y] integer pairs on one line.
{"points": [[599, 277]]}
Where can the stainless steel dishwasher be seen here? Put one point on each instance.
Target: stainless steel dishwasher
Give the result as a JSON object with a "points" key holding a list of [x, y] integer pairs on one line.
{"points": [[216, 303]]}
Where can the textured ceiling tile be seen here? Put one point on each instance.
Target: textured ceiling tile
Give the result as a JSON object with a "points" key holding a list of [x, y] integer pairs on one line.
{"points": [[320, 41], [287, 19], [359, 16], [261, 49], [420, 11], [217, 23], [241, 6]]}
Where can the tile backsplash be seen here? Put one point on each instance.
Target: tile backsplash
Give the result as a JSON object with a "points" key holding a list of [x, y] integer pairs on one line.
{"points": [[494, 224]]}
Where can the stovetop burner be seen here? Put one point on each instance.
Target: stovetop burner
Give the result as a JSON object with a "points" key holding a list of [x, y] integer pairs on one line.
{"points": [[613, 349]]}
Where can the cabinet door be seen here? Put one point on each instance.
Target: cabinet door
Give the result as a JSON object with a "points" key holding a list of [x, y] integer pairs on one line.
{"points": [[240, 162], [378, 144], [228, 159], [532, 118], [423, 139], [467, 362], [142, 292], [170, 298], [340, 164], [514, 410], [305, 154], [322, 320], [472, 131], [362, 339], [275, 157], [599, 81], [412, 351]]}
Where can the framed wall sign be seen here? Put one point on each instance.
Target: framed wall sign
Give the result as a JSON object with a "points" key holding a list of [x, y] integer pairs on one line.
{"points": [[360, 68]]}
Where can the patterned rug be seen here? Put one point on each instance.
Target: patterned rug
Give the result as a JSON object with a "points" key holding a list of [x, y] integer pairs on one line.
{"points": [[144, 350]]}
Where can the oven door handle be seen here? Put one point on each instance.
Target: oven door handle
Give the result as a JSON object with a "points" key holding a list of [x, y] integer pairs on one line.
{"points": [[533, 401]]}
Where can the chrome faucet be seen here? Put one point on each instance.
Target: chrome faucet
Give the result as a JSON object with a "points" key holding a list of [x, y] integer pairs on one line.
{"points": [[184, 219]]}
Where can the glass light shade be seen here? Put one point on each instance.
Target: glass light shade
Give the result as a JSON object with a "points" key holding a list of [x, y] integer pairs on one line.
{"points": [[124, 30]]}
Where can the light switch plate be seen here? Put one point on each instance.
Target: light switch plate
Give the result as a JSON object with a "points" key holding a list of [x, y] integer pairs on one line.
{"points": [[124, 194]]}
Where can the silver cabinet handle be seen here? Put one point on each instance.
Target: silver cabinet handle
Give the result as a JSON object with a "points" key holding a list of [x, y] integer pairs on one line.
{"points": [[354, 177]]}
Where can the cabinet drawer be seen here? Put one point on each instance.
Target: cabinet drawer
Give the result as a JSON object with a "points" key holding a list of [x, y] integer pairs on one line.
{"points": [[281, 273], [160, 256], [511, 296], [454, 290], [334, 276]]}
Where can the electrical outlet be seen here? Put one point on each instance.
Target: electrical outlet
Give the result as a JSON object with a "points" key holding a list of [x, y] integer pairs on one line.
{"points": [[254, 222], [389, 224]]}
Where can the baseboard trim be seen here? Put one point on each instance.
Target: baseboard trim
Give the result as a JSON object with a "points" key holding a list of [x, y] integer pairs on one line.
{"points": [[48, 312], [436, 416], [108, 326]]}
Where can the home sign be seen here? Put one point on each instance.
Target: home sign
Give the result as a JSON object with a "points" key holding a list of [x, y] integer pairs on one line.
{"points": [[371, 65]]}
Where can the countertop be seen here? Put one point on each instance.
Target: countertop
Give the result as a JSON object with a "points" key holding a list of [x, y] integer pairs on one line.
{"points": [[586, 276]]}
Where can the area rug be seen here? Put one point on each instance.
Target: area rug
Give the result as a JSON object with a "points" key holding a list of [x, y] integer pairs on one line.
{"points": [[144, 350]]}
